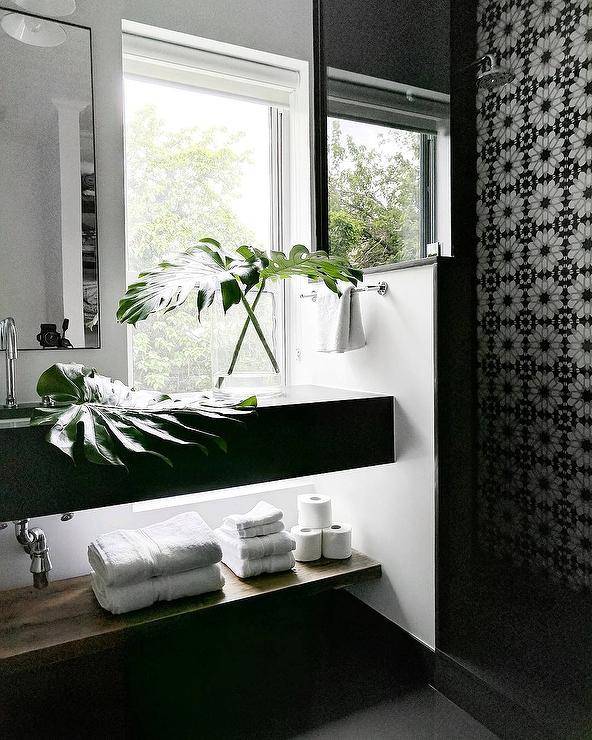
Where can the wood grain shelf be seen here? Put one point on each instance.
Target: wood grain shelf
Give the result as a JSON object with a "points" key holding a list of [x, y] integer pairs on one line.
{"points": [[65, 621]]}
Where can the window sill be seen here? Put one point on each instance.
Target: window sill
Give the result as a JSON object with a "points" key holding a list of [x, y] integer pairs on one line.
{"points": [[401, 265]]}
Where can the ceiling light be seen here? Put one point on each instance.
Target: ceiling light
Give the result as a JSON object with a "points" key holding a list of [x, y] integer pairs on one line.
{"points": [[33, 31], [51, 8]]}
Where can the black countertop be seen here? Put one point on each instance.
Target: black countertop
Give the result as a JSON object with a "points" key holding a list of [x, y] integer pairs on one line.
{"points": [[308, 431]]}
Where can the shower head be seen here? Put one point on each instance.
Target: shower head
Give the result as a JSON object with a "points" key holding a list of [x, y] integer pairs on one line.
{"points": [[493, 76]]}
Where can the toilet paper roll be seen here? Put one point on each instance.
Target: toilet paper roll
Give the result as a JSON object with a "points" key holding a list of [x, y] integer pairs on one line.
{"points": [[314, 511], [337, 541], [308, 543]]}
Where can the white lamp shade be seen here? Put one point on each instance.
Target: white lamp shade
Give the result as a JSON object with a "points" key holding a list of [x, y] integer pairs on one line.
{"points": [[52, 8], [33, 31]]}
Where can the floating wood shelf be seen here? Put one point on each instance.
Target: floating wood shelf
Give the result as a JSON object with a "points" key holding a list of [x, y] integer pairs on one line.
{"points": [[308, 431], [65, 621]]}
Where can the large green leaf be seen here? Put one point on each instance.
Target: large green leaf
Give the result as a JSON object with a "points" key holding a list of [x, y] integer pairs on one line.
{"points": [[314, 265], [205, 268], [117, 422], [64, 383], [208, 268]]}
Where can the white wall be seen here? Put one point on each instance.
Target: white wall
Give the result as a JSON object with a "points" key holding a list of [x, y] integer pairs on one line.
{"points": [[22, 238], [391, 507]]}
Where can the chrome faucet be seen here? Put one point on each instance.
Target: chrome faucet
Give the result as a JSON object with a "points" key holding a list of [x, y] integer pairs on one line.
{"points": [[34, 543], [9, 343]]}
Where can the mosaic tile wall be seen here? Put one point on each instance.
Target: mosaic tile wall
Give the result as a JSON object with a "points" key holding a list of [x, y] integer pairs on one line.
{"points": [[535, 287]]}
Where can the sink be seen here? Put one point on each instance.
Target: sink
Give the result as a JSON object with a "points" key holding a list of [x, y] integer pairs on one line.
{"points": [[22, 421], [18, 417]]}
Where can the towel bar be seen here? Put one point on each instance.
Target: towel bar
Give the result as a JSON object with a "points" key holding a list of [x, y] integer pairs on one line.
{"points": [[381, 288]]}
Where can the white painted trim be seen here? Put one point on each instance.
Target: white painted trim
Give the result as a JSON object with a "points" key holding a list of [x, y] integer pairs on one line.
{"points": [[344, 75], [208, 71]]}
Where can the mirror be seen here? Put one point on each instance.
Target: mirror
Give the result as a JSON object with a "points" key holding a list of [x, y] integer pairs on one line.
{"points": [[386, 167], [48, 229]]}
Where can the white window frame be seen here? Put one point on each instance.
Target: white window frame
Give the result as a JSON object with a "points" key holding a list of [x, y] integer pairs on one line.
{"points": [[282, 82]]}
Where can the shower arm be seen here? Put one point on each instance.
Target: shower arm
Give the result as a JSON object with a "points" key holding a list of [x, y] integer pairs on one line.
{"points": [[477, 62]]}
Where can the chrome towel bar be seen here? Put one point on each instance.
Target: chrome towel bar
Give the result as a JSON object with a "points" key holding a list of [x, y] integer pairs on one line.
{"points": [[381, 288]]}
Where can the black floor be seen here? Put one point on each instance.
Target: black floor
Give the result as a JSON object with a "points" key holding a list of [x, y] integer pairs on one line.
{"points": [[531, 640], [417, 715]]}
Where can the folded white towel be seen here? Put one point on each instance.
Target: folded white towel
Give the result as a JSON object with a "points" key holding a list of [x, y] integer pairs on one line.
{"points": [[261, 513], [182, 543], [260, 531], [339, 321], [132, 596], [249, 568], [256, 547]]}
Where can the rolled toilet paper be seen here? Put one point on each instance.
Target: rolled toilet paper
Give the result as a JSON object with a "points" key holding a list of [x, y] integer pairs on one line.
{"points": [[308, 543], [337, 541], [314, 511]]}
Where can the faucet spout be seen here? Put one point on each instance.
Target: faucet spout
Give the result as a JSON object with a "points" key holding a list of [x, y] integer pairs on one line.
{"points": [[9, 343]]}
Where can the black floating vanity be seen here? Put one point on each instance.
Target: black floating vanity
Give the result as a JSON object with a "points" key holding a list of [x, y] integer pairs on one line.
{"points": [[308, 431]]}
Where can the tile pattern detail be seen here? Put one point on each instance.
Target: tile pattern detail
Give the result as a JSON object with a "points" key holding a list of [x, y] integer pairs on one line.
{"points": [[534, 273]]}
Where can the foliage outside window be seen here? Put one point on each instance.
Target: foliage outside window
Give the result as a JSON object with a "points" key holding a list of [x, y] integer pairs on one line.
{"points": [[188, 176], [376, 189]]}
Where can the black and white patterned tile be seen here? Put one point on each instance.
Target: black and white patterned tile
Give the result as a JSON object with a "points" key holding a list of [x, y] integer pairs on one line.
{"points": [[534, 274]]}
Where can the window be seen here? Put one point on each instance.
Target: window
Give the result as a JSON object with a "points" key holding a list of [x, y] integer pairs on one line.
{"points": [[207, 153], [382, 149], [380, 204]]}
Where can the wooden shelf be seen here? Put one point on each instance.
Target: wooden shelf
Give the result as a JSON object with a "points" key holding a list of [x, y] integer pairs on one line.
{"points": [[65, 621]]}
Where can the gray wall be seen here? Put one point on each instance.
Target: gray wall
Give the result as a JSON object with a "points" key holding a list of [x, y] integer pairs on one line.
{"points": [[404, 41]]}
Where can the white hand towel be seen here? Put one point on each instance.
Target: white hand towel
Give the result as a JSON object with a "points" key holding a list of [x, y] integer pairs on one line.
{"points": [[182, 543], [132, 596], [339, 321], [261, 513], [250, 568], [260, 531], [256, 547]]}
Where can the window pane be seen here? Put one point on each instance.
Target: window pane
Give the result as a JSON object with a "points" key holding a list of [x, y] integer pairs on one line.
{"points": [[374, 192], [197, 164]]}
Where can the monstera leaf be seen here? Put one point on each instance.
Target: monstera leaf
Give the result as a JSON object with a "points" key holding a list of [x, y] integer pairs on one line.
{"points": [[208, 267], [117, 421], [314, 265]]}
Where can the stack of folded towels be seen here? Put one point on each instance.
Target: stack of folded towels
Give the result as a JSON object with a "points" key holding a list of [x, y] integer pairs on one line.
{"points": [[134, 568], [255, 542]]}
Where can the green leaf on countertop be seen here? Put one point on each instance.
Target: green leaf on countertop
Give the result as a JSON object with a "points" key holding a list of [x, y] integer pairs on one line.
{"points": [[117, 422]]}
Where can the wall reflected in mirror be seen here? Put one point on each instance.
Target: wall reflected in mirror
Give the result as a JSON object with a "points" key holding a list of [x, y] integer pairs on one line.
{"points": [[48, 229], [388, 144]]}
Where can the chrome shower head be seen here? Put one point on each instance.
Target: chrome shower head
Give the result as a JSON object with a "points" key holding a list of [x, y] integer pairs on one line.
{"points": [[494, 76]]}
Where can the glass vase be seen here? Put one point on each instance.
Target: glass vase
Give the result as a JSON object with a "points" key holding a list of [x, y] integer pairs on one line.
{"points": [[247, 359]]}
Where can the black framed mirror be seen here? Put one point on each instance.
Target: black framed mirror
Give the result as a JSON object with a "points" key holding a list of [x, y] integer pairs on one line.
{"points": [[382, 131], [48, 213]]}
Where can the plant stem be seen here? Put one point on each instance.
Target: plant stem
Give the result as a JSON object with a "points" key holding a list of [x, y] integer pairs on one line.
{"points": [[242, 335], [259, 331]]}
